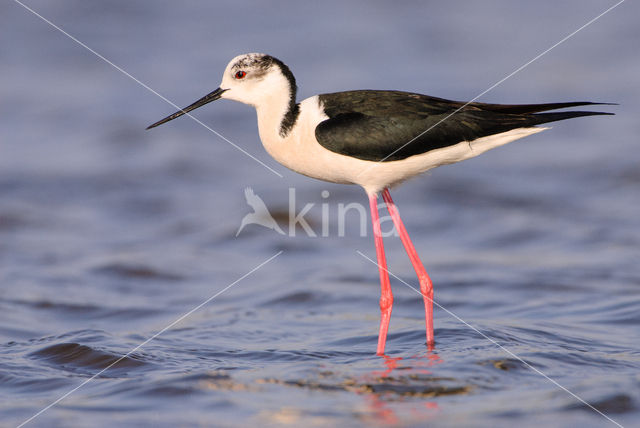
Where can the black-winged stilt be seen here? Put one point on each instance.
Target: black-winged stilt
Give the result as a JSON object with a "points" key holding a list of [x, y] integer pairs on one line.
{"points": [[375, 139]]}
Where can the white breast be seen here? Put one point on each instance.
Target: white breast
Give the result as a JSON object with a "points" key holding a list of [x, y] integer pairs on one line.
{"points": [[300, 151]]}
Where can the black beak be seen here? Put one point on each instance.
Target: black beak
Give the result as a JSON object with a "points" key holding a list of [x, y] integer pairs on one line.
{"points": [[215, 95]]}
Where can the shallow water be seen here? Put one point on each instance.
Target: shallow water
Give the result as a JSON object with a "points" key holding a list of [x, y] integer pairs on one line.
{"points": [[110, 234]]}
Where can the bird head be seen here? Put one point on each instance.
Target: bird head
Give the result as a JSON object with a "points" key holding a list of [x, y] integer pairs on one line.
{"points": [[252, 79]]}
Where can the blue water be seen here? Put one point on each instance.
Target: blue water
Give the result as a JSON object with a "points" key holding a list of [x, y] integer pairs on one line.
{"points": [[109, 233]]}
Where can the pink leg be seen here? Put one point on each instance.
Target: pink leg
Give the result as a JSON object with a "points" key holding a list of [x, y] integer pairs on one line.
{"points": [[426, 287], [386, 297]]}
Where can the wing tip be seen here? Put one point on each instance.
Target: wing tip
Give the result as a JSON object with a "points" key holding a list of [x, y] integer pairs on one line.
{"points": [[537, 108], [563, 115]]}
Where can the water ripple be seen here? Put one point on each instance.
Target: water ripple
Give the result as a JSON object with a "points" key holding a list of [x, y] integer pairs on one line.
{"points": [[77, 357]]}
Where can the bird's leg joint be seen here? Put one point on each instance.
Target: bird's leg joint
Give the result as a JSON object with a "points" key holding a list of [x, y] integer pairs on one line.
{"points": [[426, 286], [386, 302]]}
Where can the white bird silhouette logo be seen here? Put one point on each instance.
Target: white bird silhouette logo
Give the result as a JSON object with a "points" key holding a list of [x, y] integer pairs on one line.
{"points": [[260, 214]]}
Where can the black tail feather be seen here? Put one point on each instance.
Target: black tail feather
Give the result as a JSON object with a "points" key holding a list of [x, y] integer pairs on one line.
{"points": [[534, 108], [553, 117]]}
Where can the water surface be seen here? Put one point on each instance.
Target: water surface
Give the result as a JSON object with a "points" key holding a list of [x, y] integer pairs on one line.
{"points": [[109, 234]]}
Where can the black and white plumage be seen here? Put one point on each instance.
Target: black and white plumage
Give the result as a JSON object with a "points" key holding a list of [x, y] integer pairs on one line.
{"points": [[397, 125], [375, 139], [368, 137]]}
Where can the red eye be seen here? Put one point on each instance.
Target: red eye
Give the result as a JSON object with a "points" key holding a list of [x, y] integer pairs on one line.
{"points": [[240, 74]]}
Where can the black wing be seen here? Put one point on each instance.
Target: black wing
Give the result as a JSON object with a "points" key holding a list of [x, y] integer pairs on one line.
{"points": [[377, 125]]}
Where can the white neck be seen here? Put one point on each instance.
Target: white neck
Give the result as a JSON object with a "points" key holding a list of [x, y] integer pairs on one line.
{"points": [[270, 94], [271, 112], [272, 106]]}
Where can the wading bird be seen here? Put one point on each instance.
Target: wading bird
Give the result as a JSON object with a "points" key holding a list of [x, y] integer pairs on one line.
{"points": [[375, 139]]}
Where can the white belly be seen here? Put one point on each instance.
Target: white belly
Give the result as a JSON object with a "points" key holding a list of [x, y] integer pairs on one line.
{"points": [[300, 152]]}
